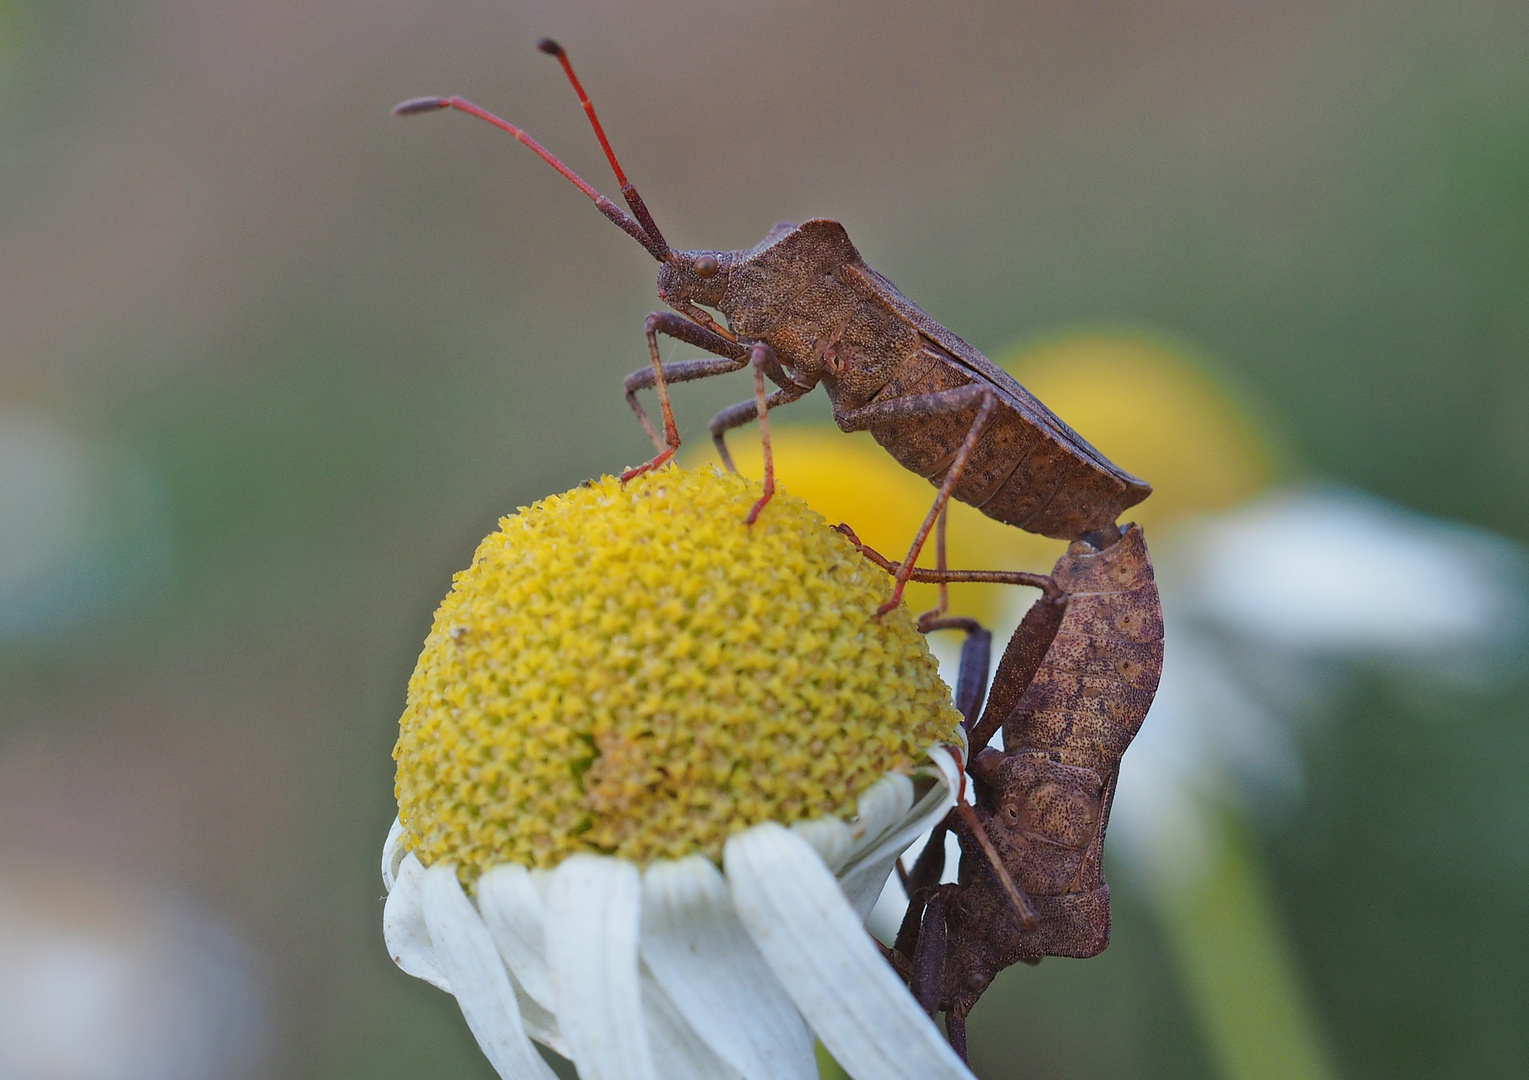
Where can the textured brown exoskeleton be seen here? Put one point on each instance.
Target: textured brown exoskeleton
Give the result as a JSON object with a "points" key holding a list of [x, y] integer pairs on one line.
{"points": [[1070, 693], [804, 308]]}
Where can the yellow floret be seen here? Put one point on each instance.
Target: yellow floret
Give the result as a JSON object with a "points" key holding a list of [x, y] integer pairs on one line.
{"points": [[634, 671]]}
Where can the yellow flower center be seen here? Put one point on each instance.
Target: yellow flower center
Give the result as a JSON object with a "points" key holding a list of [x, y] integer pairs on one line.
{"points": [[636, 672]]}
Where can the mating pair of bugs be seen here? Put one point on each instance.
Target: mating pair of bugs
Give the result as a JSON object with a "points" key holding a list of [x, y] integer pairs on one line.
{"points": [[1073, 686]]}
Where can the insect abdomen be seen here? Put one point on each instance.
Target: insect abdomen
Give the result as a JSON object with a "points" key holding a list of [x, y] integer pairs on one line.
{"points": [[1092, 691]]}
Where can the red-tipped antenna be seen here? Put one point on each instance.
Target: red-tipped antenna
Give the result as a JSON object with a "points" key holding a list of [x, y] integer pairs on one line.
{"points": [[654, 244], [628, 192]]}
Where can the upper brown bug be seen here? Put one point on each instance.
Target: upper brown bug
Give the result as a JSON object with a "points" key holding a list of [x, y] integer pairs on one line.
{"points": [[804, 308], [1070, 693]]}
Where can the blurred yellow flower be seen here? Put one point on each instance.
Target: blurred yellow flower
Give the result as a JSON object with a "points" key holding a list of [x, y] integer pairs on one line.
{"points": [[1148, 407], [1151, 409]]}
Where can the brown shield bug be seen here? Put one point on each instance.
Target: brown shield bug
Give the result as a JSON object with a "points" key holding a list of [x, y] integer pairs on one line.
{"points": [[803, 308], [1070, 693]]}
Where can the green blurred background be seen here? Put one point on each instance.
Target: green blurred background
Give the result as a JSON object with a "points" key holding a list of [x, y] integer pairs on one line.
{"points": [[293, 357]]}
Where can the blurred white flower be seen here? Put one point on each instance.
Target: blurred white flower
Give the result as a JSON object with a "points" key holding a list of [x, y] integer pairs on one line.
{"points": [[1334, 572], [1262, 606], [100, 980], [683, 970]]}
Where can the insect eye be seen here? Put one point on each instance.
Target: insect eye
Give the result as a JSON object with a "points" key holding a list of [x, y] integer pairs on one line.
{"points": [[706, 266]]}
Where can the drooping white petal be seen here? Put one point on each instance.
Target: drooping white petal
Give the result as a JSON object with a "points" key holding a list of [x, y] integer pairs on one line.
{"points": [[512, 908], [404, 929], [513, 911], [478, 977], [1340, 571], [814, 942], [678, 1052], [881, 808], [700, 954], [863, 877], [393, 852], [593, 911], [829, 837]]}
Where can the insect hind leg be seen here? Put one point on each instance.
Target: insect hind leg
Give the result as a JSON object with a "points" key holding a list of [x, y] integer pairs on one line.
{"points": [[928, 405]]}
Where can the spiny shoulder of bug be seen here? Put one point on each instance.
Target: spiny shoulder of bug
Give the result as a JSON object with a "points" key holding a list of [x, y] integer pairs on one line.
{"points": [[790, 257]]}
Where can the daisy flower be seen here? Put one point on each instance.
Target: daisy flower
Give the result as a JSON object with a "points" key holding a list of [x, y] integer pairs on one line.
{"points": [[654, 770]]}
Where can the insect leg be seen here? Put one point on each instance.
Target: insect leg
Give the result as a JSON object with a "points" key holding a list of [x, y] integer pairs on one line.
{"points": [[741, 413], [928, 977], [930, 865], [955, 1031], [920, 883], [941, 565], [976, 651], [1043, 582], [923, 405], [676, 371], [675, 326], [1021, 659], [763, 357]]}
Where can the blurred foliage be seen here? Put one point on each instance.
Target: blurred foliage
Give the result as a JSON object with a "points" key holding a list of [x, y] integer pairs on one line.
{"points": [[1156, 410], [1238, 969]]}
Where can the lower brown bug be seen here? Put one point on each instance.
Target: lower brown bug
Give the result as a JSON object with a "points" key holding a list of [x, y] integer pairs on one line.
{"points": [[1070, 693]]}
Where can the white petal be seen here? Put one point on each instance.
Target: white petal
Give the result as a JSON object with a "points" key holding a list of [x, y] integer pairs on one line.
{"points": [[511, 907], [829, 837], [513, 911], [862, 886], [700, 954], [881, 808], [479, 981], [393, 852], [403, 926], [540, 1024], [678, 1052], [863, 877], [814, 942], [593, 908], [886, 916]]}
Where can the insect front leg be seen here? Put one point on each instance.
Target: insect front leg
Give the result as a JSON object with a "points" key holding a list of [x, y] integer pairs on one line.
{"points": [[955, 1031], [976, 652], [1021, 659], [925, 406], [920, 884], [676, 326], [676, 371]]}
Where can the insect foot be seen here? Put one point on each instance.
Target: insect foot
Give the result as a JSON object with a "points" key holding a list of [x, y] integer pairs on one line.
{"points": [[1070, 693]]}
